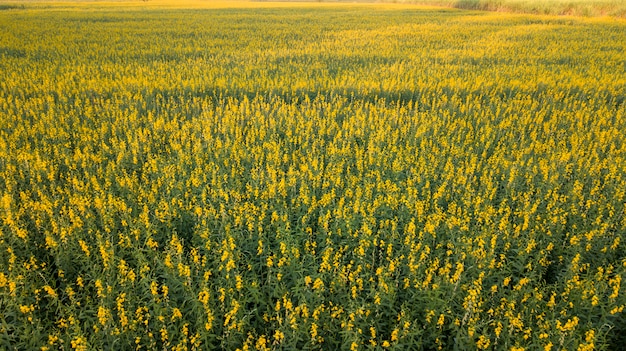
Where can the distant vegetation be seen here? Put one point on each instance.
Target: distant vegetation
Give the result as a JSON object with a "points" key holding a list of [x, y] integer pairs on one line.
{"points": [[587, 8], [584, 8], [10, 7]]}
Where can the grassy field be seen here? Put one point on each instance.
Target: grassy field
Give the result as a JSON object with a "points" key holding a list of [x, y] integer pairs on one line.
{"points": [[276, 176], [586, 8]]}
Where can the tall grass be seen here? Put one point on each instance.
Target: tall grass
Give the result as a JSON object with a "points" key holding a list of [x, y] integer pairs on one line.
{"points": [[586, 8]]}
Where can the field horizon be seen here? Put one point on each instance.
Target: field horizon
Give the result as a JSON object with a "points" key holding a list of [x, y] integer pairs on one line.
{"points": [[578, 8]]}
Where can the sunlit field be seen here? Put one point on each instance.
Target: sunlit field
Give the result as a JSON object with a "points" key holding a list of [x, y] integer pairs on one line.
{"points": [[586, 8], [279, 176]]}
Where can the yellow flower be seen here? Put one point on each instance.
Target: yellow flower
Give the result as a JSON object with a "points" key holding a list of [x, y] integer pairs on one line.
{"points": [[27, 309], [239, 282], [261, 343], [79, 344], [176, 314], [318, 284], [279, 336], [84, 247], [394, 335], [483, 342], [203, 297], [590, 335], [103, 315], [313, 331], [440, 321], [50, 291], [52, 339]]}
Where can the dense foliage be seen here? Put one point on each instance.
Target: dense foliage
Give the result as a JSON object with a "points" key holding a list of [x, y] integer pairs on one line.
{"points": [[311, 178]]}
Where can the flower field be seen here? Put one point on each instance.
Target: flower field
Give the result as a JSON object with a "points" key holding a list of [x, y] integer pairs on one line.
{"points": [[310, 177]]}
